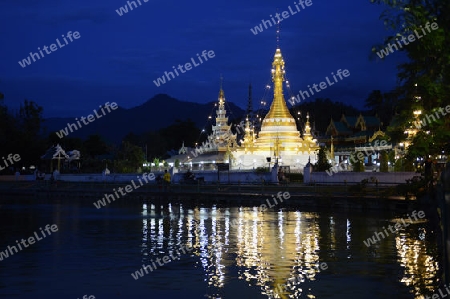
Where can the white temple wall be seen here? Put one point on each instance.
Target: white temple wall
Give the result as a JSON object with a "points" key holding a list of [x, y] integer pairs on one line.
{"points": [[252, 161]]}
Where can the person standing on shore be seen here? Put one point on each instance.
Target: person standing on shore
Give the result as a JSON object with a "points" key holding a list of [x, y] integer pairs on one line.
{"points": [[17, 174], [166, 179]]}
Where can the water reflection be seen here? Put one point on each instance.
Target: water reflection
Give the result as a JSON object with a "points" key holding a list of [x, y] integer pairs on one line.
{"points": [[419, 266], [269, 249]]}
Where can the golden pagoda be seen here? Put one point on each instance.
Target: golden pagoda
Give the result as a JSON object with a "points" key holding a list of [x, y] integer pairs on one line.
{"points": [[278, 138]]}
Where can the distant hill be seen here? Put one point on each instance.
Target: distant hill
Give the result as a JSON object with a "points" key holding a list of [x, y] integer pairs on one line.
{"points": [[158, 112], [162, 111], [322, 110]]}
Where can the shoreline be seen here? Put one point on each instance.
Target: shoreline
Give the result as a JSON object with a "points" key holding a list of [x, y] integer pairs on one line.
{"points": [[317, 197]]}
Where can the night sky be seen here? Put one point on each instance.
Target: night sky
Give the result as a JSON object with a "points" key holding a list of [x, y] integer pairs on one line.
{"points": [[117, 58]]}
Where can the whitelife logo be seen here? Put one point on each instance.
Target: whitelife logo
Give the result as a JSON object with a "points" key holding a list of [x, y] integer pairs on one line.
{"points": [[27, 61], [90, 118], [359, 156], [204, 147], [208, 144], [284, 15], [165, 260], [323, 85], [124, 9], [187, 66], [373, 240], [411, 38], [263, 207], [11, 159], [427, 119], [128, 189], [440, 295], [31, 240]]}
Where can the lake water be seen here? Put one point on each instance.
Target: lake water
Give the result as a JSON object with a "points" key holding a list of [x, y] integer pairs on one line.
{"points": [[237, 252]]}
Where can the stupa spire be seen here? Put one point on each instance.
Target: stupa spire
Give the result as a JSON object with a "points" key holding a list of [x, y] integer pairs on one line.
{"points": [[278, 136], [278, 109], [307, 133], [221, 92], [278, 33], [221, 135]]}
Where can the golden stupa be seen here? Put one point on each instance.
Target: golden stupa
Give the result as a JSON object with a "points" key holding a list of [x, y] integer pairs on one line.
{"points": [[278, 138]]}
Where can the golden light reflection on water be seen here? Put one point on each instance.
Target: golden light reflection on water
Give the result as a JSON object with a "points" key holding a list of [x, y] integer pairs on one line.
{"points": [[268, 249], [419, 266]]}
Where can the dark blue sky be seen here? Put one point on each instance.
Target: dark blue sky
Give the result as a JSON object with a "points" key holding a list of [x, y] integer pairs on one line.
{"points": [[118, 57]]}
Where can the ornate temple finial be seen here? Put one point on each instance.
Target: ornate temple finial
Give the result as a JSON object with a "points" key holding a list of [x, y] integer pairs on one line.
{"points": [[182, 150], [278, 33], [278, 108], [307, 131], [221, 93], [250, 101]]}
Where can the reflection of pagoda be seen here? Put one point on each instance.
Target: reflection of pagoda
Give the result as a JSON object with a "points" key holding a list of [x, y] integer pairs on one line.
{"points": [[268, 249], [278, 137]]}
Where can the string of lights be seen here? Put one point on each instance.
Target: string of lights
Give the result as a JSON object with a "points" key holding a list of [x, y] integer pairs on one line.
{"points": [[297, 113]]}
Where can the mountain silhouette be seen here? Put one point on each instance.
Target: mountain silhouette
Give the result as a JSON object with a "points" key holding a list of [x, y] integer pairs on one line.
{"points": [[158, 112]]}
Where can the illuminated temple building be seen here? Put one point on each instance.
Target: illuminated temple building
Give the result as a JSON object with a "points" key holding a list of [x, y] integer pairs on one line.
{"points": [[216, 148], [278, 138]]}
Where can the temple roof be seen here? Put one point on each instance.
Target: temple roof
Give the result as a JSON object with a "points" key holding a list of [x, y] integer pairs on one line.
{"points": [[351, 121], [372, 121], [337, 128], [55, 152]]}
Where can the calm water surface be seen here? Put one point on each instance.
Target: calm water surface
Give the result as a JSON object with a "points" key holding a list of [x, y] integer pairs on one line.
{"points": [[238, 252]]}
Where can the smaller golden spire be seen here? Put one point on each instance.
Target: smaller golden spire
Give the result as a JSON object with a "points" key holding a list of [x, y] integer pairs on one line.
{"points": [[221, 94], [307, 135]]}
